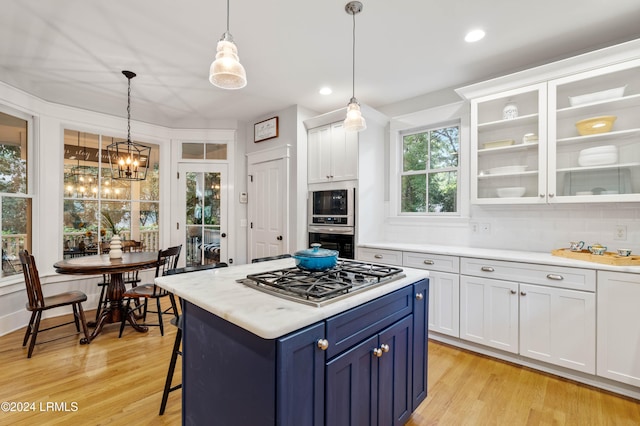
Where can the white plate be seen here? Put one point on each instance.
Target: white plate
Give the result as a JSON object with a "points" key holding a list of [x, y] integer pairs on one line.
{"points": [[506, 169], [603, 95]]}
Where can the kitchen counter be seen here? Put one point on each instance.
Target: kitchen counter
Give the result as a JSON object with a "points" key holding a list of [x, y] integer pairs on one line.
{"points": [[497, 254], [265, 315]]}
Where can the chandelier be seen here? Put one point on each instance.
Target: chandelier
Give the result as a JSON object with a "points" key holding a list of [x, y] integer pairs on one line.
{"points": [[84, 178], [129, 160]]}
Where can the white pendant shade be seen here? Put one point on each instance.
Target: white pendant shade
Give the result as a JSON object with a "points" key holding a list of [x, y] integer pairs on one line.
{"points": [[354, 122], [226, 71]]}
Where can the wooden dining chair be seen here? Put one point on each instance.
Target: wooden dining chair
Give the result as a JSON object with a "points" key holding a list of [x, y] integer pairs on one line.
{"points": [[177, 321], [38, 303], [167, 260]]}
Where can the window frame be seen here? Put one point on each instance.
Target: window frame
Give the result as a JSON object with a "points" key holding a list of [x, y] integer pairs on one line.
{"points": [[30, 187], [451, 114]]}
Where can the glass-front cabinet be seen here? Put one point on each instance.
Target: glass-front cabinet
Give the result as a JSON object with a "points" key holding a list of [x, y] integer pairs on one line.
{"points": [[594, 128], [508, 141], [567, 140]]}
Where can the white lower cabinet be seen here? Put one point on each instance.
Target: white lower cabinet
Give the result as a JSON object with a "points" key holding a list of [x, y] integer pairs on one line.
{"points": [[547, 323], [444, 289], [619, 326], [558, 326], [489, 312]]}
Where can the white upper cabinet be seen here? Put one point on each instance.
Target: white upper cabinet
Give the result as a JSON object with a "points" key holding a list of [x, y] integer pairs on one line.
{"points": [[508, 143], [527, 147], [598, 163], [332, 154]]}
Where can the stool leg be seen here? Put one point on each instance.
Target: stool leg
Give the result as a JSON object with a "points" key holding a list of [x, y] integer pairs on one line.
{"points": [[172, 367]]}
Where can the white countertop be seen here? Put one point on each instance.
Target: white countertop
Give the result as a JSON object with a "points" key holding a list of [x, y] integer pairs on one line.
{"points": [[496, 254], [216, 291]]}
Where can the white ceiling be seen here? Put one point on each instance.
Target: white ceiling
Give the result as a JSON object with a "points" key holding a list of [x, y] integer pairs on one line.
{"points": [[72, 52]]}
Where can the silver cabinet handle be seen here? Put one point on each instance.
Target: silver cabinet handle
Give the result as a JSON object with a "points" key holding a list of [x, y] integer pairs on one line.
{"points": [[513, 292], [385, 348], [556, 277], [428, 262], [377, 352], [419, 296], [541, 195], [487, 269], [378, 256], [551, 195], [523, 293], [323, 344]]}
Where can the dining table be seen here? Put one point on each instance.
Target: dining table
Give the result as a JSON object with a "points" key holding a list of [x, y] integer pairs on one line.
{"points": [[115, 267]]}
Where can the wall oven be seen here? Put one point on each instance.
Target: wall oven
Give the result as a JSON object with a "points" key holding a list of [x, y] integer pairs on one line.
{"points": [[331, 220]]}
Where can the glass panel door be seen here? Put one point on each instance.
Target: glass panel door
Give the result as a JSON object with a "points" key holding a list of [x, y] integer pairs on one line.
{"points": [[203, 189]]}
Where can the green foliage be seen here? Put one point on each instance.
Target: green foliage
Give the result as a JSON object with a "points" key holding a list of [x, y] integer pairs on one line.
{"points": [[430, 181]]}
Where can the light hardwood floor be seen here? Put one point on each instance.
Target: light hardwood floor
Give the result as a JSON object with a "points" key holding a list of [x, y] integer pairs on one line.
{"points": [[119, 382]]}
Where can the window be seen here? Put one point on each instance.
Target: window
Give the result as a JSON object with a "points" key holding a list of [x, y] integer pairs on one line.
{"points": [[429, 175], [97, 207], [15, 200]]}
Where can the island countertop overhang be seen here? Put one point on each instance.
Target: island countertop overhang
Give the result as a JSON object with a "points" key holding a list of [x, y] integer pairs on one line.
{"points": [[269, 317]]}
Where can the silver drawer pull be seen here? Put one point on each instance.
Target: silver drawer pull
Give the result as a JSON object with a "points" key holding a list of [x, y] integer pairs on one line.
{"points": [[555, 277], [513, 292], [419, 296], [323, 344], [378, 256], [487, 269], [428, 262]]}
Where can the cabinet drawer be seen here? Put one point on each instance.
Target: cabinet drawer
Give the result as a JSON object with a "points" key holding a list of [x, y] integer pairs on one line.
{"points": [[431, 262], [549, 275], [349, 328], [390, 257]]}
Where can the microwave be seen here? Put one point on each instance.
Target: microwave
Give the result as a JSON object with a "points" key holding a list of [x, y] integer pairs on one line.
{"points": [[332, 207]]}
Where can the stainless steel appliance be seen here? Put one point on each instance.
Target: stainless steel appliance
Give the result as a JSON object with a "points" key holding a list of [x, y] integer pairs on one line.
{"points": [[332, 221], [320, 288]]}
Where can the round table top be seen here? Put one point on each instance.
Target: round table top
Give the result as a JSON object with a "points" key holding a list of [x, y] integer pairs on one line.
{"points": [[103, 264]]}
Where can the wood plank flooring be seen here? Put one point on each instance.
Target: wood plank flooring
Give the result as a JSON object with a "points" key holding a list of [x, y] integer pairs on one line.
{"points": [[119, 382]]}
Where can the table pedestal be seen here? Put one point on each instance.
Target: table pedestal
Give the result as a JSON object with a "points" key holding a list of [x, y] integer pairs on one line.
{"points": [[112, 314]]}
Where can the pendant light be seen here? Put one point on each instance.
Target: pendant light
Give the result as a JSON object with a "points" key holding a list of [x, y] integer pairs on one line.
{"points": [[84, 177], [226, 71], [129, 160], [354, 121]]}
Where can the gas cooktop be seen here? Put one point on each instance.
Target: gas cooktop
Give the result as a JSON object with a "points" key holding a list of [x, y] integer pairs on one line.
{"points": [[320, 288]]}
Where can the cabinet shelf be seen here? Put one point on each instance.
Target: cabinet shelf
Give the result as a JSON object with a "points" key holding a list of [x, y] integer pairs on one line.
{"points": [[521, 120], [509, 148], [596, 107], [601, 136], [497, 175], [606, 167]]}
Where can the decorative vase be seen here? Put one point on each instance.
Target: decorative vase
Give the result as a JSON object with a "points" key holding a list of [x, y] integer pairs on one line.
{"points": [[115, 247], [510, 111]]}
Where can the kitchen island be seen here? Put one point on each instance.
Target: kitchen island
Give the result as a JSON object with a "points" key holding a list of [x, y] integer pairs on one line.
{"points": [[254, 358]]}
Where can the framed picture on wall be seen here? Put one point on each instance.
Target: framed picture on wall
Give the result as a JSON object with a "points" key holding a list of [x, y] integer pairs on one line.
{"points": [[267, 129]]}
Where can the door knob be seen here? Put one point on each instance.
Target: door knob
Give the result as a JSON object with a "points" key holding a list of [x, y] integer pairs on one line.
{"points": [[223, 235]]}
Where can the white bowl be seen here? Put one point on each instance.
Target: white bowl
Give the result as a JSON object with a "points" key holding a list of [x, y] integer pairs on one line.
{"points": [[598, 156], [603, 95], [511, 191]]}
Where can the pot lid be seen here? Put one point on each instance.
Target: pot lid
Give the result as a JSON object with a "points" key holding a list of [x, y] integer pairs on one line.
{"points": [[316, 251]]}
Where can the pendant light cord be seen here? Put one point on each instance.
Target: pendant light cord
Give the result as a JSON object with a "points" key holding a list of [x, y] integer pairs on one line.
{"points": [[227, 15], [129, 110], [353, 55]]}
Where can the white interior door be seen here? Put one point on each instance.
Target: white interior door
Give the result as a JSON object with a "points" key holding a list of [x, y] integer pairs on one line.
{"points": [[203, 197], [267, 209]]}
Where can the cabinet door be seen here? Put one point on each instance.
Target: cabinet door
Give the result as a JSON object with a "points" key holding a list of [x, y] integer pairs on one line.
{"points": [[352, 386], [558, 326], [344, 153], [602, 164], [394, 373], [489, 312], [420, 352], [300, 380], [508, 151], [444, 303], [619, 327], [319, 154]]}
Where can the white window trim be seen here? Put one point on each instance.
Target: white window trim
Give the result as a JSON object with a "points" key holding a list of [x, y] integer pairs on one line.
{"points": [[456, 112]]}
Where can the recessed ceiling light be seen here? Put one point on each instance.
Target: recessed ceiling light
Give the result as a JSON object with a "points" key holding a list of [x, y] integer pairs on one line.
{"points": [[326, 91], [474, 35]]}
